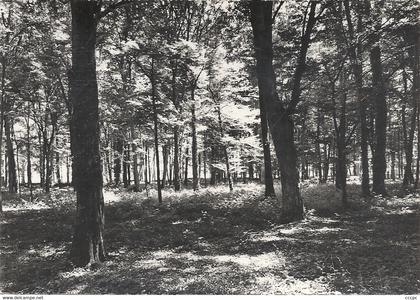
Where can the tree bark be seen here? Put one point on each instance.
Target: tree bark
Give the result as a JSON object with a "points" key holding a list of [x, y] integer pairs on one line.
{"points": [[11, 163], [379, 97], [186, 168], [355, 53], [279, 118], [268, 173], [125, 165], [155, 131], [135, 159], [118, 149], [194, 144], [225, 152], [88, 244]]}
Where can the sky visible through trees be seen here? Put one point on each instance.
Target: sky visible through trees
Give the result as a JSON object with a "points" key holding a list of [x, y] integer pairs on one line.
{"points": [[161, 101]]}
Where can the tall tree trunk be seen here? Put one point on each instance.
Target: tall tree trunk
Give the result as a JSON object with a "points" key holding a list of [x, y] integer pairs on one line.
{"points": [[155, 130], [279, 118], [212, 168], [393, 165], [177, 183], [118, 150], [135, 159], [146, 164], [205, 168], [341, 172], [48, 170], [125, 165], [186, 167], [165, 153], [225, 152], [378, 85], [268, 173], [355, 52], [11, 164], [194, 157], [88, 244], [28, 153], [2, 108], [318, 146], [57, 168]]}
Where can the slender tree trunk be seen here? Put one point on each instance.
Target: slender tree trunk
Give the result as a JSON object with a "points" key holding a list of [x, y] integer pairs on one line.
{"points": [[118, 144], [11, 167], [186, 168], [67, 169], [88, 244], [417, 181], [155, 130], [225, 152], [212, 168], [146, 164], [125, 165], [177, 184], [393, 165], [194, 144], [28, 154], [268, 173], [205, 168], [341, 172], [135, 160], [2, 109], [165, 153]]}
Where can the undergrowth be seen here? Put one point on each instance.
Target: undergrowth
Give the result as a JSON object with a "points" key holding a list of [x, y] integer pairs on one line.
{"points": [[216, 242]]}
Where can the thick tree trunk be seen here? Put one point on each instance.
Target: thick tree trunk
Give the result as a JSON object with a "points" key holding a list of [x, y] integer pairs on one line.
{"points": [[280, 122], [88, 244], [378, 84]]}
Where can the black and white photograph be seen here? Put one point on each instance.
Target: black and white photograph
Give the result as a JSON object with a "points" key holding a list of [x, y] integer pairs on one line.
{"points": [[220, 147]]}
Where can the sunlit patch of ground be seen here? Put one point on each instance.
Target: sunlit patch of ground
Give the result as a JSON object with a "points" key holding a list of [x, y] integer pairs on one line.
{"points": [[216, 242]]}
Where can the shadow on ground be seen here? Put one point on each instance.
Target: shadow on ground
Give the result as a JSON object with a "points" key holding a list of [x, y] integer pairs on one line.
{"points": [[206, 246]]}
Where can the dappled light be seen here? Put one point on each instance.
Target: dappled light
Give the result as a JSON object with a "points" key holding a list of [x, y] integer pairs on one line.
{"points": [[204, 242]]}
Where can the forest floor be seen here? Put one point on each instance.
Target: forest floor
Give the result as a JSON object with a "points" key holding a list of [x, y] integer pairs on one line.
{"points": [[216, 242]]}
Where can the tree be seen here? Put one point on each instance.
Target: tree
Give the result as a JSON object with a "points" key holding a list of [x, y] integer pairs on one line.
{"points": [[88, 244], [280, 116]]}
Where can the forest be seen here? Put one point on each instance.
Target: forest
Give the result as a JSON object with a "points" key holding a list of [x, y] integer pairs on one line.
{"points": [[209, 147]]}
